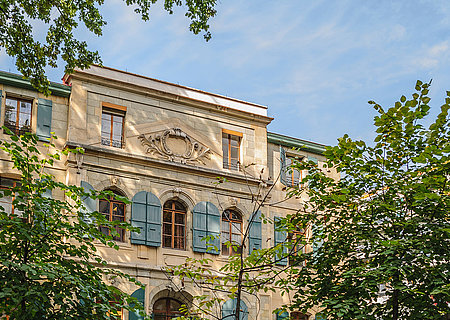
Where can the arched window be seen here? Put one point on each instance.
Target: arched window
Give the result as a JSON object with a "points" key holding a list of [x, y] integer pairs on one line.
{"points": [[298, 316], [174, 225], [166, 308], [113, 210], [231, 232]]}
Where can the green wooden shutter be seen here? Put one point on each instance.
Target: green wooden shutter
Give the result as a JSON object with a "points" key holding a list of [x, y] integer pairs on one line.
{"points": [[282, 166], [139, 217], [89, 203], [44, 119], [139, 294], [199, 228], [317, 242], [213, 228], [146, 215], [229, 310], [282, 315], [153, 220], [255, 236], [280, 237]]}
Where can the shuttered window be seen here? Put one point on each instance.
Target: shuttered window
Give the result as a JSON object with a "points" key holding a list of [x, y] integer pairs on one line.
{"points": [[18, 115], [206, 223], [146, 215]]}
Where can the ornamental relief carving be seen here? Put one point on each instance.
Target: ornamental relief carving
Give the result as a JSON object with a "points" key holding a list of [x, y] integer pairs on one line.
{"points": [[175, 145]]}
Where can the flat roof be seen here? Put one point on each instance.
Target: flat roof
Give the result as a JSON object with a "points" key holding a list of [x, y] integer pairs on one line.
{"points": [[176, 89]]}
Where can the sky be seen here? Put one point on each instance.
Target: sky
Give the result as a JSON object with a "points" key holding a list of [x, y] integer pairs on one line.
{"points": [[315, 64]]}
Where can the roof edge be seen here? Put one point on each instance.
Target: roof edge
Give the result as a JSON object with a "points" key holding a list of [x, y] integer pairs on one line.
{"points": [[12, 79], [301, 144]]}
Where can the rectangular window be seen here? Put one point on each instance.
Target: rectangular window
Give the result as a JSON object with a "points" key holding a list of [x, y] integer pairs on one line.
{"points": [[7, 201], [231, 143], [293, 176], [18, 115], [113, 121]]}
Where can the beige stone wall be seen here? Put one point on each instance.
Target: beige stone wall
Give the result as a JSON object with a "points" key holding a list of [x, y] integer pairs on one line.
{"points": [[131, 169]]}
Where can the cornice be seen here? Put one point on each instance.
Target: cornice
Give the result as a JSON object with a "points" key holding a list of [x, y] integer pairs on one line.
{"points": [[119, 154], [16, 80], [291, 142], [170, 97]]}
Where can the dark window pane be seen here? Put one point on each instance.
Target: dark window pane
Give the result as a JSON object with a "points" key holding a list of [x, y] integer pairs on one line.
{"points": [[179, 231], [118, 209], [167, 241], [167, 229], [179, 206], [167, 216], [179, 218], [104, 206]]}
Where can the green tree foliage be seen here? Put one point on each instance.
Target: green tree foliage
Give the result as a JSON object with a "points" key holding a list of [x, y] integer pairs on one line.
{"points": [[49, 268], [18, 20], [380, 233]]}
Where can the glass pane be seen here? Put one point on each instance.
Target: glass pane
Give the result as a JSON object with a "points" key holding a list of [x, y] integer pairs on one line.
{"points": [[167, 216], [103, 206], [104, 230], [8, 183], [236, 238], [25, 107], [225, 215], [236, 227], [225, 249], [179, 207], [179, 231], [118, 218], [117, 130], [179, 243], [167, 241], [24, 121], [168, 205], [234, 141], [234, 153], [174, 305], [167, 229], [6, 203], [225, 236], [236, 216], [160, 305], [118, 209], [10, 112], [179, 218]]}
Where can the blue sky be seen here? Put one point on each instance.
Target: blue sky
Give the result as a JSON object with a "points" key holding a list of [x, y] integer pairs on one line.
{"points": [[315, 64]]}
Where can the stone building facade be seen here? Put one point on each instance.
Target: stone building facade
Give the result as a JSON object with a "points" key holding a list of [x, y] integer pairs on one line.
{"points": [[163, 146]]}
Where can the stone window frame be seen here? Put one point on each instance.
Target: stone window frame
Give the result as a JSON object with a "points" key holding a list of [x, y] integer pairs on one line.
{"points": [[227, 161], [173, 211], [19, 99], [121, 238], [229, 223], [113, 110]]}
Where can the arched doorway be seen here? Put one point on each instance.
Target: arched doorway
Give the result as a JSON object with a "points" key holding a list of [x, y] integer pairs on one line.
{"points": [[166, 309]]}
